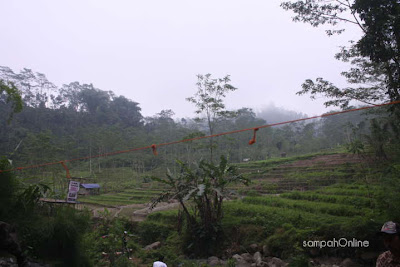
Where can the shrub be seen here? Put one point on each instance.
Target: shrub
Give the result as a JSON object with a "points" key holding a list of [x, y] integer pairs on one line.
{"points": [[150, 232], [107, 237], [8, 187], [123, 262], [59, 237], [285, 242], [388, 197]]}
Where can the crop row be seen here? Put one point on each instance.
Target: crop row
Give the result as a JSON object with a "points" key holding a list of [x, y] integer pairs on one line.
{"points": [[356, 186], [309, 206], [357, 201], [346, 192], [272, 217]]}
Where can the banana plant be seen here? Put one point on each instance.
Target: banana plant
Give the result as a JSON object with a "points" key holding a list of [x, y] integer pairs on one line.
{"points": [[201, 192]]}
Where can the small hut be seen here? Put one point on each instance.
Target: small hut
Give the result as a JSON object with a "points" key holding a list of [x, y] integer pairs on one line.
{"points": [[89, 189]]}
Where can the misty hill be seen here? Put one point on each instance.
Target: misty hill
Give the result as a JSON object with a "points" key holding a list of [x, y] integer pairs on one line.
{"points": [[274, 114]]}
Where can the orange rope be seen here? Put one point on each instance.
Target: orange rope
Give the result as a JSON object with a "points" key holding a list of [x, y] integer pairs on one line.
{"points": [[153, 147], [253, 140], [66, 169]]}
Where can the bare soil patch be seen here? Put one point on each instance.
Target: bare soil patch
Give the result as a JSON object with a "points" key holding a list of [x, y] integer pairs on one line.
{"points": [[326, 160]]}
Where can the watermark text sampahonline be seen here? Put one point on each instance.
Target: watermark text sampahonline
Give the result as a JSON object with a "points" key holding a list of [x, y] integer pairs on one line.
{"points": [[336, 243]]}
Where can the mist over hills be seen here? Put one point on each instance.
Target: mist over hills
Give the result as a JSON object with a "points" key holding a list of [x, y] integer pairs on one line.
{"points": [[274, 114]]}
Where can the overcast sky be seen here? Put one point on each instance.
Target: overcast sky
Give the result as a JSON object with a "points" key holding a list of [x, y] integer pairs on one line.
{"points": [[151, 51]]}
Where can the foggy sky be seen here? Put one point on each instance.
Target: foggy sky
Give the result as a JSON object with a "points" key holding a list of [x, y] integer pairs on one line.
{"points": [[151, 51]]}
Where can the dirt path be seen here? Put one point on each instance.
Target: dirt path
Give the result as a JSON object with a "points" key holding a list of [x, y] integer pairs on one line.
{"points": [[137, 212], [140, 215]]}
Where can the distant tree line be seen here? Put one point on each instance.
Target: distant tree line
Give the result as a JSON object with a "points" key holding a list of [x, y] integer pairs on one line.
{"points": [[78, 120]]}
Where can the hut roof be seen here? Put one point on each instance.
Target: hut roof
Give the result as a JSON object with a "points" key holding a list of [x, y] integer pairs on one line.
{"points": [[90, 186]]}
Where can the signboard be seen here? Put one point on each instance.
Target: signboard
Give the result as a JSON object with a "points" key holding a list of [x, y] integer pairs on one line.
{"points": [[72, 191]]}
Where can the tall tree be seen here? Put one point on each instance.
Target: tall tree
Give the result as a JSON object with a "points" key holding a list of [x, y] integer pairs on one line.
{"points": [[127, 111], [381, 41], [375, 74], [209, 101], [36, 89], [10, 94]]}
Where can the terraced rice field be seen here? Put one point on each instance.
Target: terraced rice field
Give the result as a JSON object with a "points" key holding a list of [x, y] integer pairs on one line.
{"points": [[284, 221], [305, 173], [331, 204], [291, 202], [336, 211], [309, 191]]}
